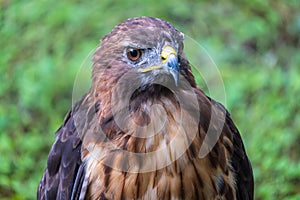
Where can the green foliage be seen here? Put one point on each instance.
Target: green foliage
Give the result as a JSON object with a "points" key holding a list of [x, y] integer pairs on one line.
{"points": [[255, 44]]}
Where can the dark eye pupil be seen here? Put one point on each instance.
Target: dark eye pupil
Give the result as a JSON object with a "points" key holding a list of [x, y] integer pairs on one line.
{"points": [[133, 53]]}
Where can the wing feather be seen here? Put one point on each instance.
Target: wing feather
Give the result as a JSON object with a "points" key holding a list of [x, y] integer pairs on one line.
{"points": [[239, 161], [64, 173]]}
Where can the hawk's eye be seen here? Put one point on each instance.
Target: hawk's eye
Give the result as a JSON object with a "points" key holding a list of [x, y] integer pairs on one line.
{"points": [[134, 54]]}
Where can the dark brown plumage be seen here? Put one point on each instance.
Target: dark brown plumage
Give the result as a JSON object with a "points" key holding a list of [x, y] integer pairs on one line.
{"points": [[145, 130]]}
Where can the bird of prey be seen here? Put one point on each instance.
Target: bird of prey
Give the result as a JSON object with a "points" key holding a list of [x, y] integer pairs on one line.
{"points": [[145, 130]]}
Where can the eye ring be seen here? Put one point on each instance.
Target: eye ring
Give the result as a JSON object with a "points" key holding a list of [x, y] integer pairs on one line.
{"points": [[134, 54]]}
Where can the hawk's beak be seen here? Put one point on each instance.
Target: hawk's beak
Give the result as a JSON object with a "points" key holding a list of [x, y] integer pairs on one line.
{"points": [[171, 67], [169, 63]]}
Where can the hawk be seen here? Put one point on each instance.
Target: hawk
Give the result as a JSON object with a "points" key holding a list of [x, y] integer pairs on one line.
{"points": [[145, 130]]}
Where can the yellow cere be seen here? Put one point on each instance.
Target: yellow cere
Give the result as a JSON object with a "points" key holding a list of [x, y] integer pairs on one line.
{"points": [[166, 52]]}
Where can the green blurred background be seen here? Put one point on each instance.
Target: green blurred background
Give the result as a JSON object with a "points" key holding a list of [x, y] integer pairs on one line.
{"points": [[255, 45]]}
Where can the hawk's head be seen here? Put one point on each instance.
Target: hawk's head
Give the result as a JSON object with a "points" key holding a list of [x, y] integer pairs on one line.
{"points": [[148, 50]]}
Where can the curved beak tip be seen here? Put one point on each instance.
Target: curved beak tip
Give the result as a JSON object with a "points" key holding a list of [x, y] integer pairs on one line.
{"points": [[175, 75]]}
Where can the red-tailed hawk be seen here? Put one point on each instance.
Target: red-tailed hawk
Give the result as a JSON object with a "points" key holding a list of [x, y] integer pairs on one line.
{"points": [[145, 130]]}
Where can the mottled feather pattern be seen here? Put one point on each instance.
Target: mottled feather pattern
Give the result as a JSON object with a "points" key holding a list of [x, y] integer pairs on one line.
{"points": [[160, 141]]}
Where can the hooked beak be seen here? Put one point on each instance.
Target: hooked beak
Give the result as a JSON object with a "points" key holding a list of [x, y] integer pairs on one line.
{"points": [[169, 63]]}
